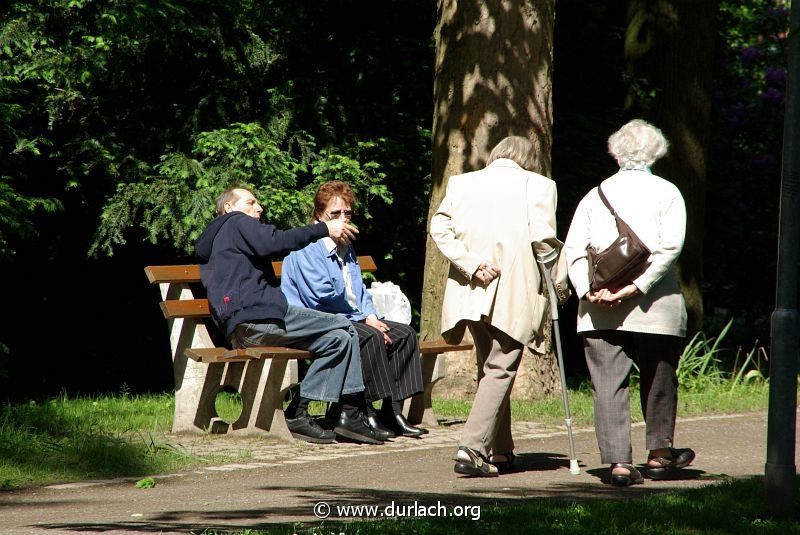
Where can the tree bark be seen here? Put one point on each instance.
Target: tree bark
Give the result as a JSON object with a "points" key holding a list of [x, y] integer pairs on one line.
{"points": [[492, 79], [669, 53]]}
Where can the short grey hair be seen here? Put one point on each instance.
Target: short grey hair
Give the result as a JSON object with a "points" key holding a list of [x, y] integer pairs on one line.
{"points": [[637, 143], [517, 148], [229, 195]]}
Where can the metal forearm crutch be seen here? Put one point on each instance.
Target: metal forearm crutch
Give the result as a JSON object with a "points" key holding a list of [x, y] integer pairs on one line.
{"points": [[547, 260]]}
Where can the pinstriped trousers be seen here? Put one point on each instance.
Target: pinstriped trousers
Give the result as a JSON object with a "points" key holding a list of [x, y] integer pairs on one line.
{"points": [[610, 356], [392, 370]]}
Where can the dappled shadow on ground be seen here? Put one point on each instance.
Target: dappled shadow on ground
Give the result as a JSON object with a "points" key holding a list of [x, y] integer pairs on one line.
{"points": [[304, 502]]}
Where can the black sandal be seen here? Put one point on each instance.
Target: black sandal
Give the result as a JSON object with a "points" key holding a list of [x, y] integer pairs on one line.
{"points": [[504, 466], [476, 466], [633, 476], [678, 458]]}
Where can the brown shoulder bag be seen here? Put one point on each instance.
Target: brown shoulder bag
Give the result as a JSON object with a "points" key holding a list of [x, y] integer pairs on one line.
{"points": [[621, 262]]}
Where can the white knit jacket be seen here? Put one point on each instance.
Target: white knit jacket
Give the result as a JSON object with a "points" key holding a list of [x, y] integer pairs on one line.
{"points": [[655, 210]]}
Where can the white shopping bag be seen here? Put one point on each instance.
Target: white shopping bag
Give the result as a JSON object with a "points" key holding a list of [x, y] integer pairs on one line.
{"points": [[390, 302]]}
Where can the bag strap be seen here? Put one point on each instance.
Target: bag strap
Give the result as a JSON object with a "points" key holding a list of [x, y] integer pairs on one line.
{"points": [[611, 208], [605, 201], [620, 222]]}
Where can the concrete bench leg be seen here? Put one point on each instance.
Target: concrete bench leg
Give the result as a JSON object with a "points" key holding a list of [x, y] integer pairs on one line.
{"points": [[263, 385], [420, 409]]}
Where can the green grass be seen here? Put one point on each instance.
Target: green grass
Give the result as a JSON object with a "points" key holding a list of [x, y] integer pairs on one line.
{"points": [[715, 399], [733, 507], [67, 439]]}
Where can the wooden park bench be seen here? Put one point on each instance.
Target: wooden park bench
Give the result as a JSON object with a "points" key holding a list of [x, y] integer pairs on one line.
{"points": [[261, 375]]}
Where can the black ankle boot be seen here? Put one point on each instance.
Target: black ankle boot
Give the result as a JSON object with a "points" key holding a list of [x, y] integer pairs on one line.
{"points": [[400, 426], [380, 430], [353, 425]]}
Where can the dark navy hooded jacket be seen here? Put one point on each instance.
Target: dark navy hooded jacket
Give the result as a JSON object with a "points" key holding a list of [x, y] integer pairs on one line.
{"points": [[237, 251]]}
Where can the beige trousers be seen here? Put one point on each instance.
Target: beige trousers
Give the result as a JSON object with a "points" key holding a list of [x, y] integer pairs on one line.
{"points": [[488, 427]]}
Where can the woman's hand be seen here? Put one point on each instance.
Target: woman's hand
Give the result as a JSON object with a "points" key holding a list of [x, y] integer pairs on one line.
{"points": [[624, 293], [611, 299], [486, 273], [373, 321]]}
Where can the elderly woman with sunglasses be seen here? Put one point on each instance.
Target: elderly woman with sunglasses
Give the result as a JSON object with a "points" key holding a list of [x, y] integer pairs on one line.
{"points": [[325, 276]]}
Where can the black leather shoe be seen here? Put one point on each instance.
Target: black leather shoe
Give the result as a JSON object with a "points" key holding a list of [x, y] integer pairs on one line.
{"points": [[401, 427], [305, 428], [381, 432], [356, 429]]}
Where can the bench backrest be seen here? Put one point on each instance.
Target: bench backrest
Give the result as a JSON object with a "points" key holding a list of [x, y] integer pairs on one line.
{"points": [[190, 273]]}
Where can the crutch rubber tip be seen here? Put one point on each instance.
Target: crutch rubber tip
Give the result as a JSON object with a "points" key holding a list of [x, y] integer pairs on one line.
{"points": [[574, 469]]}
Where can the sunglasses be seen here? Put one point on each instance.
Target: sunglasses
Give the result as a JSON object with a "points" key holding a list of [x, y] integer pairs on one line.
{"points": [[336, 214]]}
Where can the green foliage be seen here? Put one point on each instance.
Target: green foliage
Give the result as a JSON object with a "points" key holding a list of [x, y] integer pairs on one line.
{"points": [[699, 364], [146, 483], [745, 163], [177, 203], [700, 367], [16, 209], [93, 92]]}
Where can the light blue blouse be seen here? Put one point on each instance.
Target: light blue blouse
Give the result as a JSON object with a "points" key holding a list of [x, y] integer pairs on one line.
{"points": [[312, 278]]}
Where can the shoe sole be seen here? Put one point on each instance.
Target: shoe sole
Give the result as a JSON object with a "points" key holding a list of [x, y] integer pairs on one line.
{"points": [[662, 472], [468, 470], [625, 481], [313, 440], [346, 433]]}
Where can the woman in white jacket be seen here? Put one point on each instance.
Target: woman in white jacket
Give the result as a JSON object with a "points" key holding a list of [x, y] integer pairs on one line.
{"points": [[644, 321]]}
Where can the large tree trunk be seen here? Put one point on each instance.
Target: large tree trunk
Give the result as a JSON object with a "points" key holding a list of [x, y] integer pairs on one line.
{"points": [[493, 78], [669, 52]]}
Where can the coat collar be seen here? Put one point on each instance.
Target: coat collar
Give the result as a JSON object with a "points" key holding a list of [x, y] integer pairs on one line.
{"points": [[504, 162]]}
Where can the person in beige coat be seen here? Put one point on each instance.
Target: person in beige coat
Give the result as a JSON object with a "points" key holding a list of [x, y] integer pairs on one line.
{"points": [[486, 226]]}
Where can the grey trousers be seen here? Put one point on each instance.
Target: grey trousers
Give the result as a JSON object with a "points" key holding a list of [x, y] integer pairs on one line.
{"points": [[610, 356], [488, 427]]}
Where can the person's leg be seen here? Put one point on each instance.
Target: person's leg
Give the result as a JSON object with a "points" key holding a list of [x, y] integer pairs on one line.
{"points": [[377, 371], [335, 373], [406, 377], [658, 357], [503, 443], [658, 362], [377, 375], [332, 343], [499, 371], [404, 358], [609, 367]]}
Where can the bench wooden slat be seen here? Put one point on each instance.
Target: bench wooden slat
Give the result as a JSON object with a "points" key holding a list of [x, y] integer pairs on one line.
{"points": [[186, 273], [440, 346], [185, 308], [221, 354], [191, 272]]}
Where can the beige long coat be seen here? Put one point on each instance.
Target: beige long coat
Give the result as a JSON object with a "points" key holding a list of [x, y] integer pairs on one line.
{"points": [[495, 215]]}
